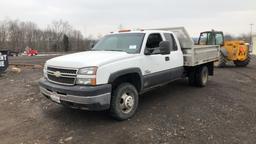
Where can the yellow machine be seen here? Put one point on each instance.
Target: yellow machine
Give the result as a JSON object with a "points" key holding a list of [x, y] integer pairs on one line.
{"points": [[233, 50]]}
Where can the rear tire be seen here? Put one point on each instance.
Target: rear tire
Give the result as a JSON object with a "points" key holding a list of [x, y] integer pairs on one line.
{"points": [[124, 102], [202, 76], [243, 63]]}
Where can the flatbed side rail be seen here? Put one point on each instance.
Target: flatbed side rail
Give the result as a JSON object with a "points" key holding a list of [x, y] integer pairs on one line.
{"points": [[198, 55]]}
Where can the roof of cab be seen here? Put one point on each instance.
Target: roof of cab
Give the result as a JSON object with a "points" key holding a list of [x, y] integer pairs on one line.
{"points": [[141, 31]]}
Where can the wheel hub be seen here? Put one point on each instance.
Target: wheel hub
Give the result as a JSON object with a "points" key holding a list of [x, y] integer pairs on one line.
{"points": [[126, 103], [129, 102]]}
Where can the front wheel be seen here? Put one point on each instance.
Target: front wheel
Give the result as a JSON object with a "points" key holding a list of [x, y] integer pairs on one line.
{"points": [[124, 101], [243, 63], [221, 62]]}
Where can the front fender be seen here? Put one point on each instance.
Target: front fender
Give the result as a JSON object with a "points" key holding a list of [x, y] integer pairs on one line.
{"points": [[117, 74]]}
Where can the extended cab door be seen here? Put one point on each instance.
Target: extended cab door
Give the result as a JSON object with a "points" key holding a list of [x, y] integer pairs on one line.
{"points": [[176, 55], [158, 68]]}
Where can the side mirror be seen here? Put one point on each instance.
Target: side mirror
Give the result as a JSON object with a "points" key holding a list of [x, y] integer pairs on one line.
{"points": [[92, 45], [147, 51], [165, 47]]}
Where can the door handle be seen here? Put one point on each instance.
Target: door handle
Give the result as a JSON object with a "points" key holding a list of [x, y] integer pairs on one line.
{"points": [[167, 58]]}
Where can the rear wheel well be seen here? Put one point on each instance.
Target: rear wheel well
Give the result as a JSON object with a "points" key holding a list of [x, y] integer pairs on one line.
{"points": [[132, 78]]}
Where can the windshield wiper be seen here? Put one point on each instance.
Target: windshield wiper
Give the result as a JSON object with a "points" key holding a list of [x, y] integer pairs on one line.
{"points": [[115, 50], [109, 50]]}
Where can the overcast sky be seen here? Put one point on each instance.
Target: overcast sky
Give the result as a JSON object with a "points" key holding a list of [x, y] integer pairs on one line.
{"points": [[103, 16]]}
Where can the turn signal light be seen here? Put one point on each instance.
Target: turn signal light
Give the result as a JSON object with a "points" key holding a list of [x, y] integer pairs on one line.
{"points": [[124, 31]]}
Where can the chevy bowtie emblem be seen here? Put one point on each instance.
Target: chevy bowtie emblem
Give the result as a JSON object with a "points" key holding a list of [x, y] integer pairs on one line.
{"points": [[57, 74]]}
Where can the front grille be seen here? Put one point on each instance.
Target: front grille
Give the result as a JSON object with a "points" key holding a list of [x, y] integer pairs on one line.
{"points": [[61, 75], [68, 71], [62, 80]]}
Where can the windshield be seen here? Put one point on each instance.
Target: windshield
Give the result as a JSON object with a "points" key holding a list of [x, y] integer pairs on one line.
{"points": [[128, 42]]}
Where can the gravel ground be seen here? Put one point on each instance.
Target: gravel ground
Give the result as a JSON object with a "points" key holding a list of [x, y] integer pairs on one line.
{"points": [[222, 112]]}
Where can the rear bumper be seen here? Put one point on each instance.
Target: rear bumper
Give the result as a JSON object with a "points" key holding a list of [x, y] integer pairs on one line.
{"points": [[93, 98]]}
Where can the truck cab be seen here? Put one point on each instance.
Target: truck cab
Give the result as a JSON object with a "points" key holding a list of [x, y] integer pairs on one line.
{"points": [[120, 67]]}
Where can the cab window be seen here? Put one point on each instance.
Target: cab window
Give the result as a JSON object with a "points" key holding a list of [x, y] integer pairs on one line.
{"points": [[219, 39], [169, 37], [203, 39], [153, 42], [210, 40]]}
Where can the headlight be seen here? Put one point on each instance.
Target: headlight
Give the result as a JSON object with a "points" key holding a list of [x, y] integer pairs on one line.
{"points": [[86, 76], [88, 71]]}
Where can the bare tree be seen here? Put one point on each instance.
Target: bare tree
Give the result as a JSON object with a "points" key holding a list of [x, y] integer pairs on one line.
{"points": [[228, 37], [3, 33], [16, 35], [58, 29], [245, 37]]}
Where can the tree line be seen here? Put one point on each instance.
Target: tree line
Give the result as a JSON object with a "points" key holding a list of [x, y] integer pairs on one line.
{"points": [[242, 37], [59, 36]]}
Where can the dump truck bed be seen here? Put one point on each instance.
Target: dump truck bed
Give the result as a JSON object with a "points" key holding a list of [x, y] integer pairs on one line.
{"points": [[198, 54], [194, 54]]}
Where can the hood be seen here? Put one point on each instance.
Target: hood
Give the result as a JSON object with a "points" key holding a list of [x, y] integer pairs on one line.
{"points": [[88, 58]]}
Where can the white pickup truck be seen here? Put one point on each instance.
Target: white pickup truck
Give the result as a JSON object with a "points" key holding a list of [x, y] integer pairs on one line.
{"points": [[123, 65]]}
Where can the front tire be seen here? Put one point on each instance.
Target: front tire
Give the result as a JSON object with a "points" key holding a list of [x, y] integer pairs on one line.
{"points": [[221, 62], [243, 63], [124, 102]]}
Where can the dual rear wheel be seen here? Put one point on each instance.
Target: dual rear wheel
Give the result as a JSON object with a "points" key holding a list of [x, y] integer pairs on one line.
{"points": [[199, 76]]}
